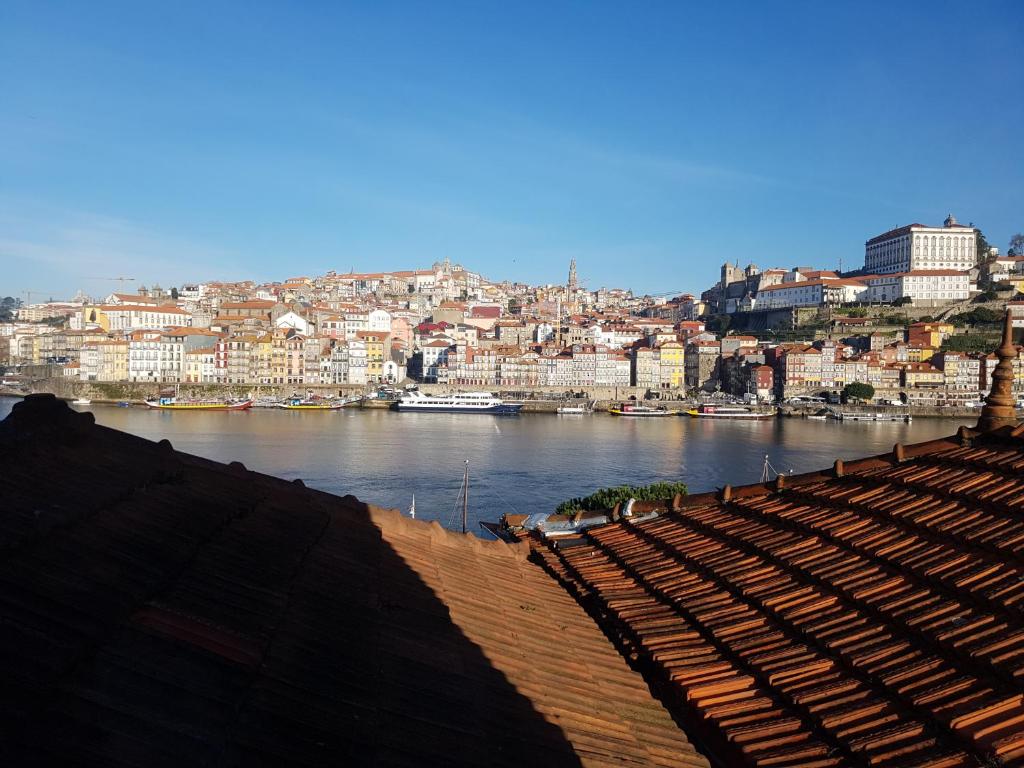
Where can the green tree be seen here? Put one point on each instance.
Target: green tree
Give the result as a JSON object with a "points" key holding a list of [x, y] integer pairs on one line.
{"points": [[1017, 245], [718, 324], [977, 316], [174, 293], [606, 498], [970, 342], [981, 247], [858, 390]]}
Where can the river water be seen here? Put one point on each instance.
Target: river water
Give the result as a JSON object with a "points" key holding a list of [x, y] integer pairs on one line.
{"points": [[526, 463]]}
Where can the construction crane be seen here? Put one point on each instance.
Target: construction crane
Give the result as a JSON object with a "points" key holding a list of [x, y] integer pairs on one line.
{"points": [[120, 280]]}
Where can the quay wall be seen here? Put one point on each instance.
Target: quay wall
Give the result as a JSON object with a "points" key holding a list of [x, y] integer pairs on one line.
{"points": [[535, 400]]}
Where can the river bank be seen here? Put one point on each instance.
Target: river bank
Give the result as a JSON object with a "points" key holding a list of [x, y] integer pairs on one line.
{"points": [[540, 400]]}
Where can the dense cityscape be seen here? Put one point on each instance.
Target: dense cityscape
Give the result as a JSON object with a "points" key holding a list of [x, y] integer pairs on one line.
{"points": [[916, 323]]}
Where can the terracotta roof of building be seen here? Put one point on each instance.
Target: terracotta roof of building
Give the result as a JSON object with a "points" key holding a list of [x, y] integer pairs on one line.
{"points": [[868, 615], [811, 284], [485, 311], [252, 304], [167, 309], [162, 609], [906, 230]]}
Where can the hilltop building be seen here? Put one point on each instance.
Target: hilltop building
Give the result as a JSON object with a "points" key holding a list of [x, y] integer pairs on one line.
{"points": [[921, 247]]}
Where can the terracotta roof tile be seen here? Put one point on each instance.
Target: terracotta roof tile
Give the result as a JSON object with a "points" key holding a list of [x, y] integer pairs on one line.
{"points": [[876, 616]]}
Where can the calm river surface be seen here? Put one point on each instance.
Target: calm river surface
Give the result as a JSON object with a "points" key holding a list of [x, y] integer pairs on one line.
{"points": [[525, 463]]}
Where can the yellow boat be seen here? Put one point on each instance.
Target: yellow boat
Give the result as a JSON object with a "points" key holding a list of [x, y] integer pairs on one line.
{"points": [[174, 404]]}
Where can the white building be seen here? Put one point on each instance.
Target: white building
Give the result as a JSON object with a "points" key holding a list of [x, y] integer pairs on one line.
{"points": [[378, 320], [348, 362], [435, 354], [810, 293], [294, 321], [144, 362], [924, 287], [919, 247], [129, 317]]}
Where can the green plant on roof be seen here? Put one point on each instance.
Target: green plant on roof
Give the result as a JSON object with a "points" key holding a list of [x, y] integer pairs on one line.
{"points": [[606, 498]]}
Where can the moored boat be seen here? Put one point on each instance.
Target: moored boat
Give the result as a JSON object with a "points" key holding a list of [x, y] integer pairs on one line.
{"points": [[312, 404], [730, 412], [178, 404], [577, 409], [631, 409], [82, 401], [460, 402]]}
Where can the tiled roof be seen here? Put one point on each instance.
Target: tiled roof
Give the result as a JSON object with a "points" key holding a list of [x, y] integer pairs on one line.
{"points": [[160, 609], [872, 615]]}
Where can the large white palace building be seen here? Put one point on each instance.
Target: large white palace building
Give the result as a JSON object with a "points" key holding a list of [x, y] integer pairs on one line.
{"points": [[918, 247]]}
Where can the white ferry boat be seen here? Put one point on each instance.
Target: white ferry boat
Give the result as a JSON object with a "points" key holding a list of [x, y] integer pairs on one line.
{"points": [[461, 402]]}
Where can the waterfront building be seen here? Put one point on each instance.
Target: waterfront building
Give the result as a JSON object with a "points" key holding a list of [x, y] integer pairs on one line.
{"points": [[920, 247], [701, 360], [104, 360], [797, 369], [672, 364], [923, 383], [377, 345], [199, 366], [144, 356], [646, 365], [235, 363], [761, 383]]}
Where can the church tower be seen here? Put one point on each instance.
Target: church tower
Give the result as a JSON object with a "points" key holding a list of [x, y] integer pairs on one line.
{"points": [[572, 276]]}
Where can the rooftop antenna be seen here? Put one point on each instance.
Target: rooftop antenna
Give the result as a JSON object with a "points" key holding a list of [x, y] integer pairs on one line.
{"points": [[465, 498], [767, 469]]}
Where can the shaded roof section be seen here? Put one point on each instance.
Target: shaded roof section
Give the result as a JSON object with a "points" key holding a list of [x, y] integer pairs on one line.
{"points": [[162, 609], [869, 615]]}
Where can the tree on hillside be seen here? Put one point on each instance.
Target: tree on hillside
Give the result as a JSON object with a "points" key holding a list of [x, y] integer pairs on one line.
{"points": [[7, 306], [981, 247], [174, 294], [858, 390], [977, 316], [718, 324], [1016, 245]]}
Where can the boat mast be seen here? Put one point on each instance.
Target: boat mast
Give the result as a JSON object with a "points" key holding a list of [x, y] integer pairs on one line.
{"points": [[465, 497]]}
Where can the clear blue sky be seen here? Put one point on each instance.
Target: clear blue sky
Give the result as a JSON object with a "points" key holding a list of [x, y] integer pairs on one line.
{"points": [[650, 141]]}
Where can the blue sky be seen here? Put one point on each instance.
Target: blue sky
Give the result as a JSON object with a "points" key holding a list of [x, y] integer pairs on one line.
{"points": [[650, 141]]}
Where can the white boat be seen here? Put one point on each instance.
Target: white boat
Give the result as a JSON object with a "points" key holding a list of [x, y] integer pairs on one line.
{"points": [[460, 402], [82, 401], [869, 416], [570, 409]]}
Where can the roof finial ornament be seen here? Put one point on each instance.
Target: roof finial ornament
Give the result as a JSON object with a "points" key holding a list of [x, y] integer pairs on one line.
{"points": [[999, 410]]}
